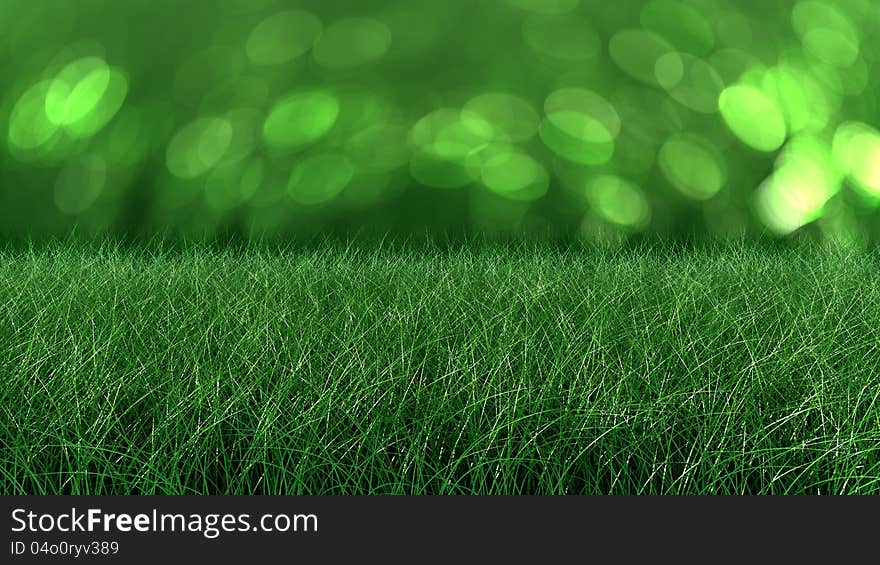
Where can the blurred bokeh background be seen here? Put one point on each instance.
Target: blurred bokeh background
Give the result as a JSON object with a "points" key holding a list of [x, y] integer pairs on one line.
{"points": [[603, 120]]}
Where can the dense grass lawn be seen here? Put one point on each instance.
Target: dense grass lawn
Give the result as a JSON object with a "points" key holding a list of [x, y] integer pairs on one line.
{"points": [[478, 369]]}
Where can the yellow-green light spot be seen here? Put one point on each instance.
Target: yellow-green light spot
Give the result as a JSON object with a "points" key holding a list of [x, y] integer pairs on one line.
{"points": [[789, 200], [76, 90], [319, 178], [568, 38], [198, 147], [753, 117], [104, 110], [693, 165], [79, 184], [796, 193], [798, 96], [815, 153], [619, 201], [513, 118], [856, 150], [636, 53], [352, 42], [300, 119], [283, 37]]}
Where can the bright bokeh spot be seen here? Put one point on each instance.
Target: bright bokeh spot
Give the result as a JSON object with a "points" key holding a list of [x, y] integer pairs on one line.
{"points": [[798, 96], [76, 90], [683, 26], [198, 146], [619, 201], [352, 42], [283, 37], [753, 117], [796, 193], [300, 119], [103, 111], [813, 151], [693, 165], [513, 118], [567, 38], [79, 184], [319, 178], [856, 150], [789, 200], [637, 51]]}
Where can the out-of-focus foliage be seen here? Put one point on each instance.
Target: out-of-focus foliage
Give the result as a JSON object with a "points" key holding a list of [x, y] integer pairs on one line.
{"points": [[600, 119]]}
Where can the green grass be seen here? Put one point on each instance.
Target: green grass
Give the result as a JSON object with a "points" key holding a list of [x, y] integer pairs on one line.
{"points": [[470, 369]]}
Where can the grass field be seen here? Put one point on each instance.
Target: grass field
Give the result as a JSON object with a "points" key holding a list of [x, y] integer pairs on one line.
{"points": [[494, 369]]}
